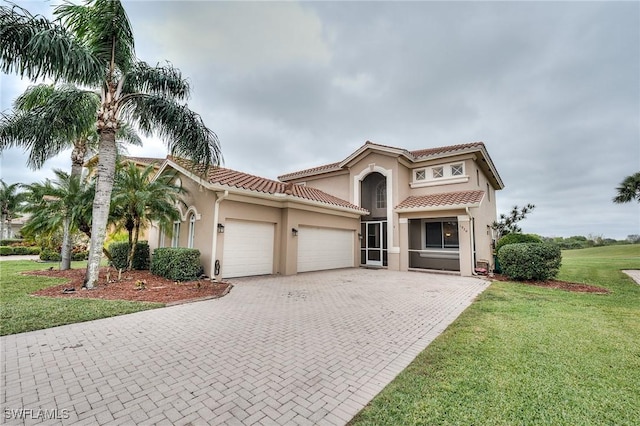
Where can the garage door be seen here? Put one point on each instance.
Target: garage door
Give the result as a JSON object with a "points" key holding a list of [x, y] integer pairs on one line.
{"points": [[324, 248], [248, 248]]}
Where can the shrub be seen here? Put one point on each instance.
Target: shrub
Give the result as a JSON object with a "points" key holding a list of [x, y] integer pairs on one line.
{"points": [[6, 251], [177, 264], [530, 261], [10, 242], [120, 255], [50, 256], [517, 238], [80, 255]]}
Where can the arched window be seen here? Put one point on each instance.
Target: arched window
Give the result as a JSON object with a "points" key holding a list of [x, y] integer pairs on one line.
{"points": [[175, 236], [192, 229], [381, 194]]}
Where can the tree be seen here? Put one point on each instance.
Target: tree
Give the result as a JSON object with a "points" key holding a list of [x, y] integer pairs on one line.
{"points": [[509, 223], [93, 45], [48, 119], [62, 204], [11, 203], [628, 190], [139, 199]]}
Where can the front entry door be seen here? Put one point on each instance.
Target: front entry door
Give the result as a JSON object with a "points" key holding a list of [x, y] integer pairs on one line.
{"points": [[374, 243]]}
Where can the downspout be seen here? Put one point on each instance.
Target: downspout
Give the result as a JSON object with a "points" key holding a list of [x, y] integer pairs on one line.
{"points": [[220, 196], [473, 241]]}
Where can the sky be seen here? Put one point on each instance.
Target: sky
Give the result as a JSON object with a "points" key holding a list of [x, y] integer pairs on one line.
{"points": [[551, 88]]}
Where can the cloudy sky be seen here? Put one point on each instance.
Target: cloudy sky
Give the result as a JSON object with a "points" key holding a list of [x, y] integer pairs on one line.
{"points": [[551, 88]]}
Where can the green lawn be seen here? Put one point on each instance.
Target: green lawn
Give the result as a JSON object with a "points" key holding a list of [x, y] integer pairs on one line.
{"points": [[20, 312], [529, 356]]}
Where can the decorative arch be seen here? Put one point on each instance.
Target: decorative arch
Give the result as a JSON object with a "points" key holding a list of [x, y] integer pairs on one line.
{"points": [[191, 209]]}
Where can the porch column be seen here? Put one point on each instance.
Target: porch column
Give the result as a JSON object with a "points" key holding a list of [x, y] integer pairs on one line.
{"points": [[466, 247], [403, 240]]}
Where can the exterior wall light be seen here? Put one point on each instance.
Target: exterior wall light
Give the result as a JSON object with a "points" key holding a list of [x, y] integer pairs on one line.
{"points": [[294, 232], [220, 228]]}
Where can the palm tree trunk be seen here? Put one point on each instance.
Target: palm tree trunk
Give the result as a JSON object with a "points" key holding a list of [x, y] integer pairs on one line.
{"points": [[77, 159], [100, 213], [66, 245], [134, 244]]}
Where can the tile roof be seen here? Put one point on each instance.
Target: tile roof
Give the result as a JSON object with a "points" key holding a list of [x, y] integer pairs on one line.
{"points": [[444, 149], [313, 170], [413, 155], [444, 199], [241, 180], [144, 160]]}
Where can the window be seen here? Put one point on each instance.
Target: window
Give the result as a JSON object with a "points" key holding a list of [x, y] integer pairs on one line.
{"points": [[438, 172], [192, 230], [441, 235], [457, 170], [175, 237], [161, 243], [381, 195], [421, 174]]}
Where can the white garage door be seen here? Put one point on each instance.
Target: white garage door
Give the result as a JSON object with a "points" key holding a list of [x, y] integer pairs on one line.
{"points": [[324, 248], [248, 249]]}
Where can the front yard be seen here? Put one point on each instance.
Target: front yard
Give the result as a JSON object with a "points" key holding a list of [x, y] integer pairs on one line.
{"points": [[528, 355]]}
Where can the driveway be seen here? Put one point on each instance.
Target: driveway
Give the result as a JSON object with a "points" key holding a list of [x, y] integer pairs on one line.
{"points": [[307, 349]]}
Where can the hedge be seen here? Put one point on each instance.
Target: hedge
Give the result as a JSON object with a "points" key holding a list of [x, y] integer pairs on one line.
{"points": [[18, 250], [515, 238], [530, 261], [177, 264], [120, 255]]}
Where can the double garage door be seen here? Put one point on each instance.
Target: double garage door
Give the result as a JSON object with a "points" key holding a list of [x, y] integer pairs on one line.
{"points": [[249, 249]]}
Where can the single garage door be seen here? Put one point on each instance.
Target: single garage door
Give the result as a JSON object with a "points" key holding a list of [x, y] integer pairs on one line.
{"points": [[324, 248], [248, 248]]}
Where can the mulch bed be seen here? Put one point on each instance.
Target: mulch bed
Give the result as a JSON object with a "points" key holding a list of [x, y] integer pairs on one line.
{"points": [[562, 285], [156, 289]]}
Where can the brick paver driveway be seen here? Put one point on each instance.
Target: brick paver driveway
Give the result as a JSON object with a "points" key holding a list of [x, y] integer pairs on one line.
{"points": [[308, 349]]}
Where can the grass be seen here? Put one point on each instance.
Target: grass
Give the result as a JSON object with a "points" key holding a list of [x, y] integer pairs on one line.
{"points": [[531, 356], [20, 312]]}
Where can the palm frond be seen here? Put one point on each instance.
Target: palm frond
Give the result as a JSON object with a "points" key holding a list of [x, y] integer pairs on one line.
{"points": [[183, 130], [159, 80], [48, 120], [104, 27], [34, 47]]}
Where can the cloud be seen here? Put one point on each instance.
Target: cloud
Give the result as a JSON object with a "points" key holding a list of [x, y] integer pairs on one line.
{"points": [[240, 35]]}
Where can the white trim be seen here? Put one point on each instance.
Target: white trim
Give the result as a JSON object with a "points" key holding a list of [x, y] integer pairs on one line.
{"points": [[388, 174], [439, 181]]}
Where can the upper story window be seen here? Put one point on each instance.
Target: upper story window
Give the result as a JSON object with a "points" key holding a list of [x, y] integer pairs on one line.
{"points": [[441, 174], [381, 195]]}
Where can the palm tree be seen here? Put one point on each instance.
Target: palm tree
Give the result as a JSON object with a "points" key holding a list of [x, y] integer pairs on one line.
{"points": [[48, 119], [138, 200], [62, 203], [93, 45], [628, 190], [11, 203]]}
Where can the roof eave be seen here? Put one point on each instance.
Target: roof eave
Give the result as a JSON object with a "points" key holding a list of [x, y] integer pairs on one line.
{"points": [[436, 208]]}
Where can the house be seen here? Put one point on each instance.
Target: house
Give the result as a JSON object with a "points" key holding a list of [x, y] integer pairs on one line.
{"points": [[381, 206]]}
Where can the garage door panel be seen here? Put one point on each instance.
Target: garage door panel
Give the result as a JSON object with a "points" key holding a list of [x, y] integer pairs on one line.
{"points": [[248, 249], [325, 248]]}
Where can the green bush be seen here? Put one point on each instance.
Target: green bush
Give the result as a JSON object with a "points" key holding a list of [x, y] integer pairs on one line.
{"points": [[6, 251], [177, 264], [530, 261], [120, 255], [50, 256], [79, 255], [515, 238], [10, 241]]}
